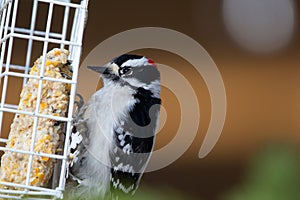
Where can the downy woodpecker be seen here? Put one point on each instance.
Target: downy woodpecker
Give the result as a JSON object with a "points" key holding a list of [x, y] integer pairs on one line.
{"points": [[114, 133]]}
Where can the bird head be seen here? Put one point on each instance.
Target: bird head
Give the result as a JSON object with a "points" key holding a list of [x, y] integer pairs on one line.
{"points": [[137, 71]]}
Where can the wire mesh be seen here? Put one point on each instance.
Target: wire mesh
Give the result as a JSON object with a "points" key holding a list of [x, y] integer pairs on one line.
{"points": [[28, 29]]}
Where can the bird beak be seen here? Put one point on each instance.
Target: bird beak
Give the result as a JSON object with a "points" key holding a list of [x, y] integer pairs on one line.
{"points": [[110, 68], [97, 69]]}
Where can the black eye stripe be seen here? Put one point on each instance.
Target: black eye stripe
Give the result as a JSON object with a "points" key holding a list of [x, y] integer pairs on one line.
{"points": [[124, 70]]}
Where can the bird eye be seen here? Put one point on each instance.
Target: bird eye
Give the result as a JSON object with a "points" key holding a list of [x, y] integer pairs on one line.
{"points": [[125, 70]]}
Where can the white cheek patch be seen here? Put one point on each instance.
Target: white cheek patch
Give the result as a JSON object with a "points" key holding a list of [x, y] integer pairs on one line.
{"points": [[134, 82], [136, 62]]}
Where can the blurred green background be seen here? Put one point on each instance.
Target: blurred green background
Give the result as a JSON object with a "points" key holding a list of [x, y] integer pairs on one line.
{"points": [[272, 174]]}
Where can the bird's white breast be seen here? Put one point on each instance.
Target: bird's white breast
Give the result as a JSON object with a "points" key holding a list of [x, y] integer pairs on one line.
{"points": [[106, 109]]}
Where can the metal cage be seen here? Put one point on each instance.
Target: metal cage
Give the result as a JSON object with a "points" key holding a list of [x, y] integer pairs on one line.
{"points": [[28, 29]]}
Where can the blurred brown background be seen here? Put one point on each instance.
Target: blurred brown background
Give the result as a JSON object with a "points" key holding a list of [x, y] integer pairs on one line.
{"points": [[262, 89], [263, 102]]}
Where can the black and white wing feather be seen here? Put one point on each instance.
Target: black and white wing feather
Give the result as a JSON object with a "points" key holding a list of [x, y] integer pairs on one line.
{"points": [[134, 139]]}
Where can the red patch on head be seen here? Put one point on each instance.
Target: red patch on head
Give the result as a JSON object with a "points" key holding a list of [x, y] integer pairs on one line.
{"points": [[151, 62]]}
